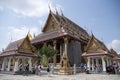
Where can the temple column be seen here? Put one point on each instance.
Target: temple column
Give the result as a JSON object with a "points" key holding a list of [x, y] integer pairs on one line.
{"points": [[9, 64], [103, 64], [107, 61], [30, 64], [54, 43], [119, 64], [92, 64], [16, 64], [60, 51], [88, 63], [97, 63], [66, 45], [23, 64], [3, 65], [110, 62]]}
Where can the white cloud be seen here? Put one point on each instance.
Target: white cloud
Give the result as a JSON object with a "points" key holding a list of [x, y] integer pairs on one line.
{"points": [[18, 33], [41, 22], [115, 44], [59, 7], [27, 7], [1, 8]]}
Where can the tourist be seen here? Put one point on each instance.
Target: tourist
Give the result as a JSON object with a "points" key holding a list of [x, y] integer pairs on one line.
{"points": [[20, 66], [99, 68], [81, 67], [96, 69], [36, 70], [48, 70], [115, 68], [25, 70], [52, 69], [27, 67], [39, 69], [85, 67]]}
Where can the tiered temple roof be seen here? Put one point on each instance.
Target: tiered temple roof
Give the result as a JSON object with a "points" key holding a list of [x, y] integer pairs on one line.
{"points": [[20, 47], [59, 26]]}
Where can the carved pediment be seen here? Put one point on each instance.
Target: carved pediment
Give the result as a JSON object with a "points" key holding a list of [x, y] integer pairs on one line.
{"points": [[25, 46], [95, 45], [51, 24]]}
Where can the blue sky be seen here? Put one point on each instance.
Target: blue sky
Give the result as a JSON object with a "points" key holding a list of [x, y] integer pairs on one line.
{"points": [[101, 17]]}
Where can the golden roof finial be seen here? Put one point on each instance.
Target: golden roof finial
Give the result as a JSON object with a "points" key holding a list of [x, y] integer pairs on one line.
{"points": [[29, 35], [61, 12], [49, 8], [91, 33], [56, 10], [11, 39]]}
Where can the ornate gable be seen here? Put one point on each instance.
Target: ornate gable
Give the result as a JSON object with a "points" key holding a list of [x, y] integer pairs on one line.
{"points": [[51, 23], [114, 53], [26, 46], [95, 45]]}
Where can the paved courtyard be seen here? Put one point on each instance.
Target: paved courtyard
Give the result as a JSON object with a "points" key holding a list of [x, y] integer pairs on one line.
{"points": [[80, 76]]}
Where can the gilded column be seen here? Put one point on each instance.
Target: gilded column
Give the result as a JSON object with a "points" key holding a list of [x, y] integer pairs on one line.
{"points": [[54, 60], [66, 45], [60, 51]]}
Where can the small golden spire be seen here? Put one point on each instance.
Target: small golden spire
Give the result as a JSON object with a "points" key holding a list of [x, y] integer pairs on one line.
{"points": [[29, 35]]}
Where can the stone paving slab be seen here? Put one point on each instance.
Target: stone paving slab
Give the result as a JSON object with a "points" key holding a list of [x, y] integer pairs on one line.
{"points": [[81, 76]]}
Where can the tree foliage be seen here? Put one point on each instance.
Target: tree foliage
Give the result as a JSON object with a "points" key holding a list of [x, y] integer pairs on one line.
{"points": [[46, 52]]}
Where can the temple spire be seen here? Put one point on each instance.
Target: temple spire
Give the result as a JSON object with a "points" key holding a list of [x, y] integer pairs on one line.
{"points": [[11, 39]]}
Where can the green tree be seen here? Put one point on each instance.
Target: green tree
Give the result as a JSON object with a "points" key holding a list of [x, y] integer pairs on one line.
{"points": [[46, 53]]}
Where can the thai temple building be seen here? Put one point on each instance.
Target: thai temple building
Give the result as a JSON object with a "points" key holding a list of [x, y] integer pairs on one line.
{"points": [[65, 36], [17, 53], [73, 44]]}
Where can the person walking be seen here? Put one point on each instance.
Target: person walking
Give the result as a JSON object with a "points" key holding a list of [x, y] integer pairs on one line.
{"points": [[48, 70], [115, 68], [39, 69]]}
